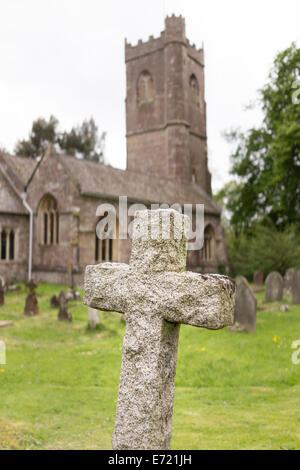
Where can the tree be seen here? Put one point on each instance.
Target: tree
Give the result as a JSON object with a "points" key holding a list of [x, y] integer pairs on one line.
{"points": [[82, 141], [267, 249], [266, 161], [42, 134]]}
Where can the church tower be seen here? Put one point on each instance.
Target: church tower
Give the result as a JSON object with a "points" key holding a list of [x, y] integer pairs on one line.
{"points": [[165, 107]]}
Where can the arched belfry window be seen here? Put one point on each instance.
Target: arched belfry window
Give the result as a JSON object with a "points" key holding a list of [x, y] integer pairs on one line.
{"points": [[106, 240], [145, 89], [48, 221], [194, 90]]}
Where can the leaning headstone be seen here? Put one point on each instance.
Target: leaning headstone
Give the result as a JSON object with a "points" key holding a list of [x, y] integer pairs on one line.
{"points": [[93, 317], [157, 295], [31, 304], [288, 281], [64, 314], [296, 288], [274, 287], [245, 307], [258, 278], [1, 294]]}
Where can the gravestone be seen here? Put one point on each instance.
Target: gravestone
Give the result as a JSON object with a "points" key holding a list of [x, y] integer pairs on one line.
{"points": [[2, 289], [31, 304], [288, 281], [296, 288], [156, 294], [258, 278], [284, 308], [93, 317], [13, 288], [64, 314], [54, 302], [245, 307], [73, 295], [3, 282], [274, 287]]}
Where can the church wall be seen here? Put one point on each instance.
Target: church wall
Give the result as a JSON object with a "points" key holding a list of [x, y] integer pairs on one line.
{"points": [[88, 222], [50, 262], [16, 270], [220, 251]]}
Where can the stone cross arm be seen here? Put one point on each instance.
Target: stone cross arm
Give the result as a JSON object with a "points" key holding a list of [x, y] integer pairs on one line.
{"points": [[201, 300]]}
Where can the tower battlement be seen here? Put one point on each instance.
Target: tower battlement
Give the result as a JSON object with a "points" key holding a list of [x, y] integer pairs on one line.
{"points": [[174, 32], [165, 107]]}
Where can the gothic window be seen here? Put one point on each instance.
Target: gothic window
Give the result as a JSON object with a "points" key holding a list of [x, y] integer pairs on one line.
{"points": [[12, 245], [145, 91], [194, 90], [194, 176], [7, 244], [208, 250], [49, 221], [106, 243]]}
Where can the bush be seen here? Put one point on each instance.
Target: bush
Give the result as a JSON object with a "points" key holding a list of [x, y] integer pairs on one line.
{"points": [[266, 248]]}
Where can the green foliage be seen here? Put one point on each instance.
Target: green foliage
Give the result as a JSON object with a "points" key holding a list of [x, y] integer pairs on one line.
{"points": [[266, 160], [82, 141], [42, 134], [60, 384], [264, 248], [261, 206]]}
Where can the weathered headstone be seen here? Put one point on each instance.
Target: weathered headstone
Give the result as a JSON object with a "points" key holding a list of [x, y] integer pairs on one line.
{"points": [[54, 302], [93, 317], [157, 295], [288, 281], [31, 304], [274, 287], [258, 278], [245, 307], [64, 314], [296, 288], [284, 308], [3, 282], [1, 293]]}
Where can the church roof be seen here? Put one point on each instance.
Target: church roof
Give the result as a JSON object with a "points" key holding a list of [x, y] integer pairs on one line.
{"points": [[94, 179], [19, 169]]}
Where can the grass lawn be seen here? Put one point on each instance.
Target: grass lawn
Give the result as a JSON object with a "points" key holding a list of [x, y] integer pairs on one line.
{"points": [[59, 387]]}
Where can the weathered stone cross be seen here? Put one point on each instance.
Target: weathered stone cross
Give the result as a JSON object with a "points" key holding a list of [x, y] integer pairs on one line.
{"points": [[156, 294]]}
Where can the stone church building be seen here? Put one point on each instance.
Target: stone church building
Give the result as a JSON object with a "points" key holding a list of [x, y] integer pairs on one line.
{"points": [[54, 203]]}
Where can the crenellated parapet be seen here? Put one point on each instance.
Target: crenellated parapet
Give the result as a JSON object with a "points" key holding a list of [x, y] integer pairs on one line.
{"points": [[174, 33]]}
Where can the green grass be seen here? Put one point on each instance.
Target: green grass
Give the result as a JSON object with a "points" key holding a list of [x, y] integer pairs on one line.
{"points": [[233, 390]]}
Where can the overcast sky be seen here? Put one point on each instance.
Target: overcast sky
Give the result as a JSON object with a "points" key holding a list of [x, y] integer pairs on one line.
{"points": [[66, 58]]}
